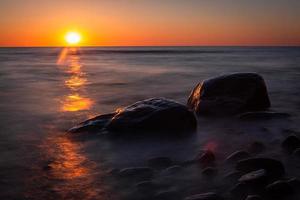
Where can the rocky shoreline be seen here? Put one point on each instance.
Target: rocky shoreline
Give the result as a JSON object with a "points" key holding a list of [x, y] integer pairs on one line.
{"points": [[249, 173]]}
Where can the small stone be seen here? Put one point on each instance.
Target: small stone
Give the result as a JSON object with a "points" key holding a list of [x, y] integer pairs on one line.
{"points": [[256, 147], [279, 189], [274, 168], [237, 155], [291, 143], [207, 158], [253, 197], [204, 196], [209, 171], [137, 172], [160, 162], [258, 177]]}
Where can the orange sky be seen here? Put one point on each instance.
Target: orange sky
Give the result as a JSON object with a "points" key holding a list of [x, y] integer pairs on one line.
{"points": [[141, 22]]}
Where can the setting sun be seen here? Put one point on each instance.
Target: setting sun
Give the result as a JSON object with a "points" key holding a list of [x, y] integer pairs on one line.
{"points": [[73, 38]]}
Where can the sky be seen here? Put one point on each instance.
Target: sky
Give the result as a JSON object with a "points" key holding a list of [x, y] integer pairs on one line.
{"points": [[151, 23]]}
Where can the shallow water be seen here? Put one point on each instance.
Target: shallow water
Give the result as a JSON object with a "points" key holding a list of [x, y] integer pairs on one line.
{"points": [[45, 91]]}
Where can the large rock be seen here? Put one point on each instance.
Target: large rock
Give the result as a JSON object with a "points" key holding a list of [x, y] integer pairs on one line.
{"points": [[156, 114], [230, 94]]}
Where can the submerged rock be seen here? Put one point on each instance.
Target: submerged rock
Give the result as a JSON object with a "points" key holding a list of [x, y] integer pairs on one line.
{"points": [[258, 177], [156, 114], [230, 94], [206, 158], [274, 168]]}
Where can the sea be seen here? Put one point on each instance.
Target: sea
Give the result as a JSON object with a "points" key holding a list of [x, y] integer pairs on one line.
{"points": [[46, 91]]}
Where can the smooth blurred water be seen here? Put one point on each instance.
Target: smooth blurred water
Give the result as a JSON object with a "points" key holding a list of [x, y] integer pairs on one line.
{"points": [[45, 91]]}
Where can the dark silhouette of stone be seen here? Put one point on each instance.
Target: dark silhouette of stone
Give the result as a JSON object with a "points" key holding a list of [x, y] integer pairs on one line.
{"points": [[204, 196], [291, 143], [237, 155], [207, 158], [230, 94], [160, 162], [156, 114], [279, 189], [263, 115], [274, 168]]}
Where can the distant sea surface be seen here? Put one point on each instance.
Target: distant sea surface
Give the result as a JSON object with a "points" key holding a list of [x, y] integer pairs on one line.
{"points": [[45, 91]]}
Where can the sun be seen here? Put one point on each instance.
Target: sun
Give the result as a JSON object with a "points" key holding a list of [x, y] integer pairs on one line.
{"points": [[73, 38]]}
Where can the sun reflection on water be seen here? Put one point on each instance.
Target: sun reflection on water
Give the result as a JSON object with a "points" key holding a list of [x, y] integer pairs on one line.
{"points": [[77, 100]]}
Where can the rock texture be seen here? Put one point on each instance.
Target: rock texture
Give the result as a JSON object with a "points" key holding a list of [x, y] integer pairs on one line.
{"points": [[156, 114], [230, 94]]}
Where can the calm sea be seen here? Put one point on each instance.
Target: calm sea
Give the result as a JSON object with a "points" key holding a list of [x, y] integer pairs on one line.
{"points": [[45, 91]]}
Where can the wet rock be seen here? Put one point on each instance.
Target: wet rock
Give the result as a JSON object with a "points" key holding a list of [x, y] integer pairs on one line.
{"points": [[254, 197], [137, 173], [279, 189], [150, 115], [258, 177], [204, 196], [256, 147], [263, 115], [291, 143], [206, 158], [274, 168], [209, 171], [232, 176], [237, 155], [160, 162], [168, 195], [230, 94]]}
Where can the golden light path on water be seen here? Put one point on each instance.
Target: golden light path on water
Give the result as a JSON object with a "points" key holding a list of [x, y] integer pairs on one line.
{"points": [[69, 61]]}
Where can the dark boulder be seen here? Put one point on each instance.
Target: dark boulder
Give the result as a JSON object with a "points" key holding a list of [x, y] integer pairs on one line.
{"points": [[156, 114], [274, 168], [291, 143], [230, 94]]}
